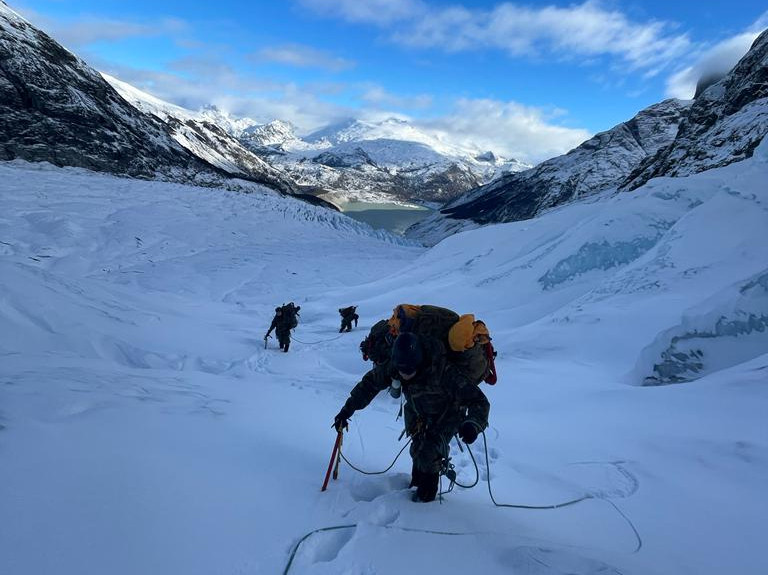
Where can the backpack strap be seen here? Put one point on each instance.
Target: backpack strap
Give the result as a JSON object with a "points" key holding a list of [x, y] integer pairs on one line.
{"points": [[490, 355]]}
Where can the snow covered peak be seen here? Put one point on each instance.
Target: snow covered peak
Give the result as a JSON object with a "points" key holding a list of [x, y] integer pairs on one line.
{"points": [[233, 125], [274, 133], [355, 130]]}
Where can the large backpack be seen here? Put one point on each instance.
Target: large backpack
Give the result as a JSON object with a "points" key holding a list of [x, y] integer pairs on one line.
{"points": [[468, 340], [291, 314], [377, 345]]}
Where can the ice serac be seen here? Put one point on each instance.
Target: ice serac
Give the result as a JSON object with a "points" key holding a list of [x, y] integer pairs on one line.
{"points": [[725, 124], [55, 108], [601, 163]]}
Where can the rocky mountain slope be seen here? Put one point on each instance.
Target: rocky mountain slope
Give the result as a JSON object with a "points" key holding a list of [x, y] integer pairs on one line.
{"points": [[56, 108], [724, 124], [205, 135], [600, 163]]}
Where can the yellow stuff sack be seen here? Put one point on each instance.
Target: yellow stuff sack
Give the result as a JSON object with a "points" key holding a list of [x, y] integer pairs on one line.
{"points": [[466, 332]]}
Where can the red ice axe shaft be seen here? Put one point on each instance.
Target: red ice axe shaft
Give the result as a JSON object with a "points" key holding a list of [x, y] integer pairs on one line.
{"points": [[334, 459]]}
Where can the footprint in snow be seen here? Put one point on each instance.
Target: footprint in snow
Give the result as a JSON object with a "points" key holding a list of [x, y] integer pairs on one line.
{"points": [[383, 515], [544, 561], [368, 488], [605, 478], [325, 547]]}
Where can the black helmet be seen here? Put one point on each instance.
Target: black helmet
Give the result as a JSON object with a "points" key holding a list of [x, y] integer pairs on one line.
{"points": [[406, 353]]}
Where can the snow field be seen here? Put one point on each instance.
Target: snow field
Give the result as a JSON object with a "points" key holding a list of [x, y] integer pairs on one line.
{"points": [[145, 429]]}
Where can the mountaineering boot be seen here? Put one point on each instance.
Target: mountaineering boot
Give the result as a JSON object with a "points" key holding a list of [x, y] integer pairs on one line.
{"points": [[415, 476], [287, 343], [427, 488]]}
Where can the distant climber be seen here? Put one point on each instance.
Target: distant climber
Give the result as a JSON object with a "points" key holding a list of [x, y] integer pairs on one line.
{"points": [[286, 318], [441, 401], [348, 315]]}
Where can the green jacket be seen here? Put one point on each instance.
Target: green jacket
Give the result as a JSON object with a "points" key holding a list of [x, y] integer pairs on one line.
{"points": [[440, 395]]}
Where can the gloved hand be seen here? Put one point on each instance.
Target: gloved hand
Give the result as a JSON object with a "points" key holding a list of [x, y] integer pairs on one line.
{"points": [[341, 421], [468, 432]]}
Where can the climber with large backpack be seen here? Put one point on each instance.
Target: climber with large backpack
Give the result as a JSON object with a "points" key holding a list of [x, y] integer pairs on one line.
{"points": [[441, 402], [348, 315], [286, 318]]}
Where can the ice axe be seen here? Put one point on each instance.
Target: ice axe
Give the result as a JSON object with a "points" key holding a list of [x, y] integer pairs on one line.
{"points": [[335, 457], [266, 337]]}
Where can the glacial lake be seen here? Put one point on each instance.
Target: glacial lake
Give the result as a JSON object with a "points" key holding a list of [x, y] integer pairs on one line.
{"points": [[393, 217]]}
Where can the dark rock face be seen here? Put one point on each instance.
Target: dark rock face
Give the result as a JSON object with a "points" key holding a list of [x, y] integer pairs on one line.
{"points": [[706, 81], [445, 185], [600, 163], [355, 158], [725, 124], [55, 108]]}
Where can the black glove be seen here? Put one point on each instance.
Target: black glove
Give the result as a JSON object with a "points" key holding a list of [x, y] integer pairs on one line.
{"points": [[341, 421], [468, 432]]}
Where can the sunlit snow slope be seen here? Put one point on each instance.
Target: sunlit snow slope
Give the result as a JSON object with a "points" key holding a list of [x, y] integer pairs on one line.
{"points": [[145, 429]]}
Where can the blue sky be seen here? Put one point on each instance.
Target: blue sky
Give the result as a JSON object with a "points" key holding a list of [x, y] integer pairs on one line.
{"points": [[527, 79]]}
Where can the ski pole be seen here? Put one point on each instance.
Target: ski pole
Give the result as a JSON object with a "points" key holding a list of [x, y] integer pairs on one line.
{"points": [[334, 458]]}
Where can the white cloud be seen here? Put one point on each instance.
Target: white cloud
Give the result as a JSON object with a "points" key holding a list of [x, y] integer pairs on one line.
{"points": [[378, 97], [715, 62], [206, 82], [379, 12], [580, 30], [304, 57], [508, 128], [82, 31]]}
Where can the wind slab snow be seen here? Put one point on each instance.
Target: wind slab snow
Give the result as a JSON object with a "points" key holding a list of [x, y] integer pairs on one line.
{"points": [[145, 429]]}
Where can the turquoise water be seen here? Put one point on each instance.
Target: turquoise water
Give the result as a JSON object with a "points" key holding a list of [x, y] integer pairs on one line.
{"points": [[392, 217]]}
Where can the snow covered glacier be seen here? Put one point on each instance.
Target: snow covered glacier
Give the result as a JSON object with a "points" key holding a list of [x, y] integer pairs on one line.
{"points": [[145, 428]]}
